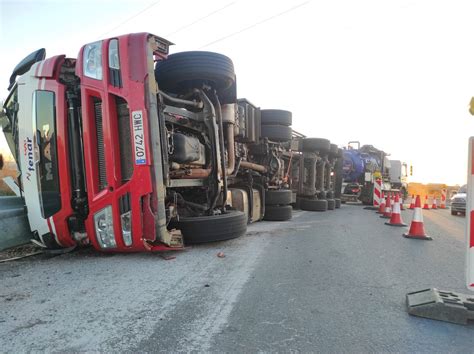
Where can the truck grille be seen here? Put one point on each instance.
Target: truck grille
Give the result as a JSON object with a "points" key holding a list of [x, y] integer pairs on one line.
{"points": [[100, 144], [125, 139]]}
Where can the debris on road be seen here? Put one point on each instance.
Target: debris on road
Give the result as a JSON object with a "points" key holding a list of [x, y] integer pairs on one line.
{"points": [[221, 255], [167, 258]]}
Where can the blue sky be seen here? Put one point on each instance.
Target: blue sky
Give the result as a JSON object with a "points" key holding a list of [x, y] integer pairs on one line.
{"points": [[394, 74]]}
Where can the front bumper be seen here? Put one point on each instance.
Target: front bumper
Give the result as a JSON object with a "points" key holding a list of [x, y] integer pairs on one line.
{"points": [[459, 207]]}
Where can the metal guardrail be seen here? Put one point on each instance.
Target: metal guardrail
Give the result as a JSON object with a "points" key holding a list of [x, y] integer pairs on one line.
{"points": [[14, 227]]}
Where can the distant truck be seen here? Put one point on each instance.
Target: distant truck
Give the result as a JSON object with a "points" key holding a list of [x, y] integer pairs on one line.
{"points": [[362, 165]]}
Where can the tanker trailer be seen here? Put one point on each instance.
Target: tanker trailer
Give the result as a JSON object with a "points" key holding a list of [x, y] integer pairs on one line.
{"points": [[361, 167]]}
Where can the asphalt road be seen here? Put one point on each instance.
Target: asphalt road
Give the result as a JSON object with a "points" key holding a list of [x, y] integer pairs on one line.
{"points": [[326, 282]]}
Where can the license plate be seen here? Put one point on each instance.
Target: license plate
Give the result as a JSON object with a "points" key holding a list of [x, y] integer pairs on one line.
{"points": [[138, 138]]}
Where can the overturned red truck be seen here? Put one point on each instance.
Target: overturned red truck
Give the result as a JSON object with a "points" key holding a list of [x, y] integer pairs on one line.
{"points": [[129, 149]]}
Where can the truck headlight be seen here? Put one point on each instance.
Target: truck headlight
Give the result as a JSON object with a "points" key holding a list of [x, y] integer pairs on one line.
{"points": [[126, 221], [92, 59], [104, 228]]}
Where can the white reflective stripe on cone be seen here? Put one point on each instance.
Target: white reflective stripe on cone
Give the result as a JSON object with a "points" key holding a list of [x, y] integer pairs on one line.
{"points": [[469, 216], [396, 208], [418, 215]]}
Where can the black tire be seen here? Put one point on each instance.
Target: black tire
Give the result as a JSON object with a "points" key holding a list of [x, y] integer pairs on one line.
{"points": [[278, 133], [330, 195], [454, 212], [278, 212], [338, 181], [276, 116], [201, 229], [333, 150], [191, 69], [316, 144], [297, 204], [338, 203], [340, 153], [331, 204], [313, 204], [278, 197]]}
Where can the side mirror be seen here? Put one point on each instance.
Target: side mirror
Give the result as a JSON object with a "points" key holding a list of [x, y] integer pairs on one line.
{"points": [[25, 65]]}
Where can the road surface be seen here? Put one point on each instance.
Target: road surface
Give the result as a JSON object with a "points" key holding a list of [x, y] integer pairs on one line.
{"points": [[326, 282]]}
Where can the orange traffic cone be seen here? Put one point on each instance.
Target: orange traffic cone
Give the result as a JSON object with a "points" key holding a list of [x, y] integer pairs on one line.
{"points": [[412, 202], [396, 218], [435, 204], [382, 205], [425, 206], [401, 201], [417, 229], [387, 214]]}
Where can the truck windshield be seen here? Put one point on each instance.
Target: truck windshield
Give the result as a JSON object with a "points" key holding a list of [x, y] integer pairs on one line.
{"points": [[48, 178]]}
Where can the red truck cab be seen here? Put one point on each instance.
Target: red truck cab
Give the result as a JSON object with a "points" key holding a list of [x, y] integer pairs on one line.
{"points": [[88, 144]]}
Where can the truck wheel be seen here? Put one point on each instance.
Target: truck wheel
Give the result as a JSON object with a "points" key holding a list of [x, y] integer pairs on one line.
{"points": [[338, 203], [278, 212], [313, 204], [316, 144], [275, 197], [276, 132], [201, 229], [331, 204], [329, 195], [333, 150], [191, 69], [276, 116]]}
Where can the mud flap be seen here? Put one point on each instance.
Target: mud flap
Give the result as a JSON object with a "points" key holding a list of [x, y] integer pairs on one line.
{"points": [[441, 305]]}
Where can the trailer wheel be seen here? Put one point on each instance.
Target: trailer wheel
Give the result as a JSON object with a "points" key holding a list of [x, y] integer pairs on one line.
{"points": [[316, 144], [331, 204], [201, 229], [313, 204], [185, 70], [278, 212], [333, 150], [279, 133], [276, 116], [337, 203], [275, 197]]}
